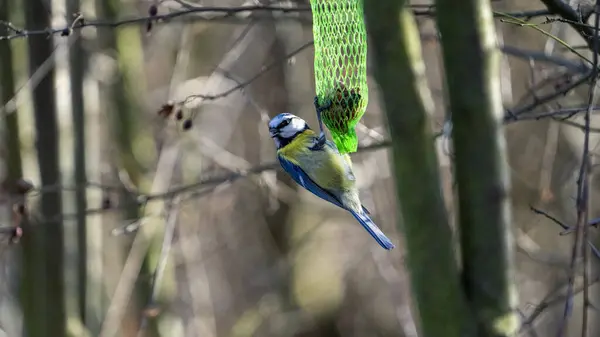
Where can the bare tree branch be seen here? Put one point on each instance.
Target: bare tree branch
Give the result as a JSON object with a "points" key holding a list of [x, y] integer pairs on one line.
{"points": [[215, 13], [574, 18]]}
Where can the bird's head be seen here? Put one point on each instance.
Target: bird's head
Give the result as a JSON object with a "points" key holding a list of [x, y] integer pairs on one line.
{"points": [[284, 127]]}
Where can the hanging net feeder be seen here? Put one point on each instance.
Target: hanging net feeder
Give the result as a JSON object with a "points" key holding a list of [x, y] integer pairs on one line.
{"points": [[340, 68]]}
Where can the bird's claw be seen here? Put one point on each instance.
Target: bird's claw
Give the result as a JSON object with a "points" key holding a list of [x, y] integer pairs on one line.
{"points": [[321, 139], [321, 108], [320, 142]]}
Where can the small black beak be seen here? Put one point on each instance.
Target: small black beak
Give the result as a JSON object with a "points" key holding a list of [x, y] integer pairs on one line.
{"points": [[273, 132]]}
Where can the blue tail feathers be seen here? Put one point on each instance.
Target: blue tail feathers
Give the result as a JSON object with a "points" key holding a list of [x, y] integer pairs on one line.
{"points": [[372, 228]]}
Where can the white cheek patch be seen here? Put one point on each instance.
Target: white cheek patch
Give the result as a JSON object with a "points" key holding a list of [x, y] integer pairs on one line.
{"points": [[287, 132]]}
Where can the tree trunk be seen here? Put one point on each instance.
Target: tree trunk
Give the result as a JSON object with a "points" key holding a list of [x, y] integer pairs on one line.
{"points": [[7, 84], [121, 106], [77, 67], [10, 320], [472, 63], [47, 301], [431, 261]]}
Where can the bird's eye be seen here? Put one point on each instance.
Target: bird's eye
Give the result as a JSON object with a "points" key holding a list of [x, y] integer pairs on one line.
{"points": [[285, 123]]}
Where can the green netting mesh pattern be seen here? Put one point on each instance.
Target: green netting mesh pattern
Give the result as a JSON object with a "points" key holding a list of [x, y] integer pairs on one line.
{"points": [[340, 67]]}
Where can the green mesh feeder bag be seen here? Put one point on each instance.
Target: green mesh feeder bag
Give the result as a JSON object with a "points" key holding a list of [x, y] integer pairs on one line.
{"points": [[340, 68]]}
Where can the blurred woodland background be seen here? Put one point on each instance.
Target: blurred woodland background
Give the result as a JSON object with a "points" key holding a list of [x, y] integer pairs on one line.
{"points": [[141, 197]]}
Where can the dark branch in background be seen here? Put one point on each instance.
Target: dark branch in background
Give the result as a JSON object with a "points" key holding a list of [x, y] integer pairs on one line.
{"points": [[577, 125], [566, 228], [583, 185], [554, 114], [175, 108], [513, 114], [579, 73], [578, 67], [206, 13], [519, 22], [429, 10], [590, 34], [242, 85], [549, 302], [574, 66], [215, 14], [574, 17]]}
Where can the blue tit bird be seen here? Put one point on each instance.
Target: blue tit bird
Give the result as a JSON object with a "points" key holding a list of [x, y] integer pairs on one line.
{"points": [[316, 164]]}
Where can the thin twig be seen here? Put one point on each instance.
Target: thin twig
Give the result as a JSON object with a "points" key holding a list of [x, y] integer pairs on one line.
{"points": [[212, 14], [576, 66], [564, 9], [576, 125], [555, 113], [165, 251], [216, 13], [513, 114], [244, 84], [564, 227], [584, 179], [517, 21], [549, 302], [581, 205], [38, 75], [429, 10], [162, 180]]}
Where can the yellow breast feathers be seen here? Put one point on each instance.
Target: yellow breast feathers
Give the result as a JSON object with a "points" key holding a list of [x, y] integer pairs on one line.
{"points": [[326, 167]]}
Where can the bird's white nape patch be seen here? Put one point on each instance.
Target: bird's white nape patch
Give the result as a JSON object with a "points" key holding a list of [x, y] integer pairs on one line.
{"points": [[296, 125]]}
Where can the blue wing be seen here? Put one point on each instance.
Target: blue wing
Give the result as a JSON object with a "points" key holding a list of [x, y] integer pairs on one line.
{"points": [[304, 180]]}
